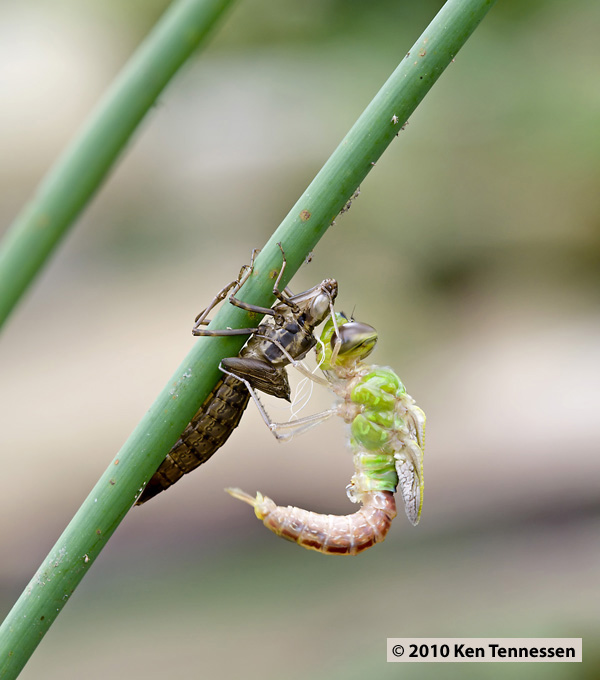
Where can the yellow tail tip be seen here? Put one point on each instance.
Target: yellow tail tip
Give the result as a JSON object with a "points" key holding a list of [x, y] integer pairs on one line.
{"points": [[257, 502], [243, 496]]}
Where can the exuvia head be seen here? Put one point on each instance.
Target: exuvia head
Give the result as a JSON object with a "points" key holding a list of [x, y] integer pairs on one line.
{"points": [[322, 304]]}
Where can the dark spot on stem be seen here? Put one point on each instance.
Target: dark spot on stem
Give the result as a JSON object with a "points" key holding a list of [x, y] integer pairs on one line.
{"points": [[305, 216]]}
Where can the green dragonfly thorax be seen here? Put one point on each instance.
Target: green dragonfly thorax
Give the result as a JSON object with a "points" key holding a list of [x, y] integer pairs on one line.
{"points": [[387, 438]]}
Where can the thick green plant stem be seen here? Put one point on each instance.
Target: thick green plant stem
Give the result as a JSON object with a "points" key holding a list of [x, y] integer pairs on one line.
{"points": [[117, 489], [79, 172]]}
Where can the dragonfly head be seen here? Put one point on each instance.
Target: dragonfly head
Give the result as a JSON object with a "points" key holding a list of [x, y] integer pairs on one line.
{"points": [[352, 342]]}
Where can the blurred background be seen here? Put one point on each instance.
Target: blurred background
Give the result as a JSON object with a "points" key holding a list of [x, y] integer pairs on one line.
{"points": [[474, 249]]}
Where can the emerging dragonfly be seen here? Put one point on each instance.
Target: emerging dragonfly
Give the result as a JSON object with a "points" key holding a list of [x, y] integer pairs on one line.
{"points": [[387, 438], [284, 338]]}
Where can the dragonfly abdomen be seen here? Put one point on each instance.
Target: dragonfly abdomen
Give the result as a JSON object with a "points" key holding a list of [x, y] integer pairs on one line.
{"points": [[328, 534], [373, 471]]}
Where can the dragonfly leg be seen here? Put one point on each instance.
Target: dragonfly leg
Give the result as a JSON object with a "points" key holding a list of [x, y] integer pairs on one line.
{"points": [[338, 342], [202, 318], [285, 431], [253, 394], [250, 307], [281, 431], [222, 332], [284, 296]]}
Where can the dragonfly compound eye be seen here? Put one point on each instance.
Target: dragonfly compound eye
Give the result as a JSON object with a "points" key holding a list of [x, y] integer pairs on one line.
{"points": [[357, 340]]}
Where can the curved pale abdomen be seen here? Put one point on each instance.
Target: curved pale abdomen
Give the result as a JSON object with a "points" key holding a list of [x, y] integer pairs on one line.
{"points": [[329, 534]]}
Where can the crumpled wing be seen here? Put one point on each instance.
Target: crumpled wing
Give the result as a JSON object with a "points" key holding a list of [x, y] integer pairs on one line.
{"points": [[410, 483]]}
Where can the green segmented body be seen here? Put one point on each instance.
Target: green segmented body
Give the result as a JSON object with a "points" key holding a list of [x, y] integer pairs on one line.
{"points": [[387, 429]]}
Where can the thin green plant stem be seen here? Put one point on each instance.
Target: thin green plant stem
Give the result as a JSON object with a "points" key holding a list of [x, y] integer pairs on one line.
{"points": [[78, 173], [116, 491]]}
